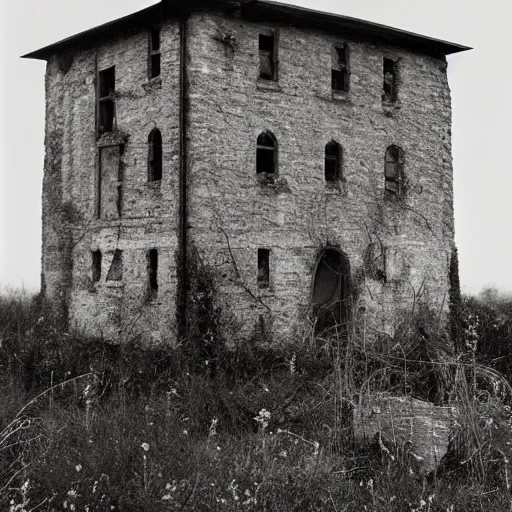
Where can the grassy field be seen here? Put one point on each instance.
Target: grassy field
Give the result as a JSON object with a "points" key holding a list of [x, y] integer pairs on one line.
{"points": [[91, 426]]}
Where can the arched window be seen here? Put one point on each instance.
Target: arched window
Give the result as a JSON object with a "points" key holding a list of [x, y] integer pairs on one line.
{"points": [[155, 155], [266, 155], [333, 160], [394, 172]]}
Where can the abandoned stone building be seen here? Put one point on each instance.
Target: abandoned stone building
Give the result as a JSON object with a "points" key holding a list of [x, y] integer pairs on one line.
{"points": [[304, 156]]}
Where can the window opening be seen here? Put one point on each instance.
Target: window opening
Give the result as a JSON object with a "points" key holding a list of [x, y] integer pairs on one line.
{"points": [[390, 80], [154, 53], [107, 85], [266, 154], [152, 257], [339, 71], [96, 266], [155, 155], [331, 294], [393, 172], [115, 272], [267, 47], [333, 157], [263, 268]]}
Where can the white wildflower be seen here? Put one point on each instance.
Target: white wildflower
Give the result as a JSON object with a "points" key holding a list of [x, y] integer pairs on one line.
{"points": [[263, 418]]}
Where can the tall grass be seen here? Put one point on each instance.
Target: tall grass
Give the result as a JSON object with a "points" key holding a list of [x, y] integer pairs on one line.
{"points": [[90, 426]]}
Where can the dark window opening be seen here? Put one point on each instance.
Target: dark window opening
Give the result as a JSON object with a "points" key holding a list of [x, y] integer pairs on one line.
{"points": [[155, 39], [263, 268], [152, 258], [155, 155], [394, 172], [115, 273], [266, 155], [154, 53], [107, 82], [268, 59], [96, 266], [107, 85], [390, 80], [339, 72], [331, 294], [333, 160], [106, 116], [155, 65]]}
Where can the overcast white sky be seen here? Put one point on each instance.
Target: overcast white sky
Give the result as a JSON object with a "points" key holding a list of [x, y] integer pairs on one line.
{"points": [[481, 88]]}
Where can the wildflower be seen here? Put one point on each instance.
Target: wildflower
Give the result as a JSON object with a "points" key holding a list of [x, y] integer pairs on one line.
{"points": [[263, 418], [212, 431], [145, 447], [78, 467], [293, 362], [185, 432]]}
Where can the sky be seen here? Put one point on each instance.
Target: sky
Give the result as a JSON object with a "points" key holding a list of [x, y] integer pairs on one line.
{"points": [[480, 82]]}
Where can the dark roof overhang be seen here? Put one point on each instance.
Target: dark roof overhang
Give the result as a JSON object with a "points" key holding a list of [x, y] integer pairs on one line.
{"points": [[347, 27], [89, 38], [258, 10]]}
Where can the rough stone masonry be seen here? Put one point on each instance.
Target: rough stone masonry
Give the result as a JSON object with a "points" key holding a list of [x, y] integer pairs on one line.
{"points": [[306, 156]]}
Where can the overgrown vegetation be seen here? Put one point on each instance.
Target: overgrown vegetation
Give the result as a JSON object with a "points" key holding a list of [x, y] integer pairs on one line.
{"points": [[90, 426]]}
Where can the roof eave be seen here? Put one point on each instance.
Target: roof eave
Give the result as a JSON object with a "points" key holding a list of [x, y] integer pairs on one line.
{"points": [[266, 10], [126, 22], [352, 27]]}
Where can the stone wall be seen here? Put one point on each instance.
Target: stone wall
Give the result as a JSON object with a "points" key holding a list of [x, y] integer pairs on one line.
{"points": [[229, 106], [149, 211]]}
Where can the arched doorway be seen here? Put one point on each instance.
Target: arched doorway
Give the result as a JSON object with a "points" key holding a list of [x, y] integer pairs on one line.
{"points": [[330, 294]]}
